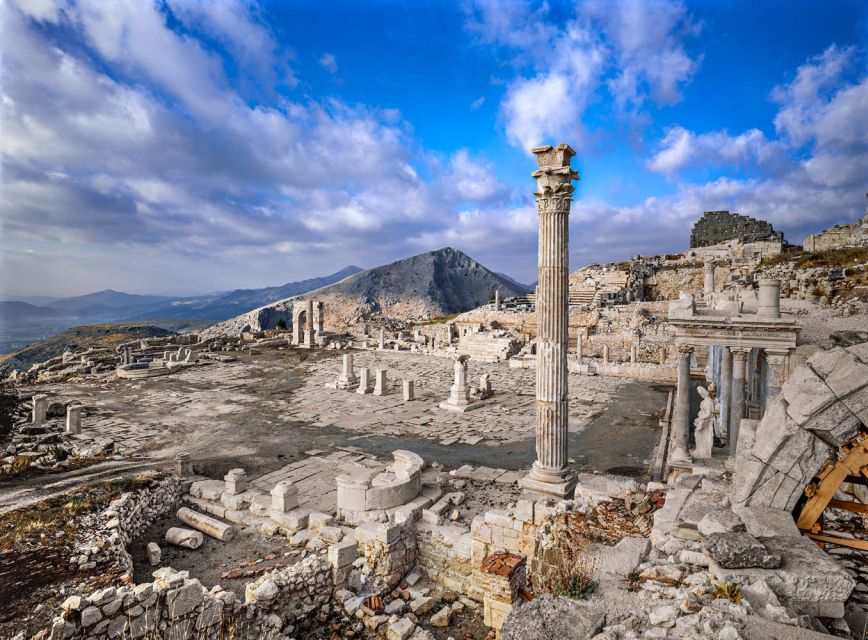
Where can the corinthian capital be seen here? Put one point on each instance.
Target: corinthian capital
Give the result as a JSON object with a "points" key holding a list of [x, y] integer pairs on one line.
{"points": [[554, 175]]}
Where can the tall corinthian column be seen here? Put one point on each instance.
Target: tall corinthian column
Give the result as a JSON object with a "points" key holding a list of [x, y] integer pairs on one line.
{"points": [[550, 474]]}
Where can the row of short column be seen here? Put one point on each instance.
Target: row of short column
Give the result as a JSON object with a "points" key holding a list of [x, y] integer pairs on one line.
{"points": [[605, 356], [362, 383], [40, 413]]}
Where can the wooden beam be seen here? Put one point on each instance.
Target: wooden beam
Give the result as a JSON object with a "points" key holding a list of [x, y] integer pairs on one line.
{"points": [[861, 545], [843, 470], [857, 480], [847, 505]]}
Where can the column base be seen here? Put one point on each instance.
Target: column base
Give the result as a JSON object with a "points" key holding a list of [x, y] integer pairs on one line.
{"points": [[559, 485]]}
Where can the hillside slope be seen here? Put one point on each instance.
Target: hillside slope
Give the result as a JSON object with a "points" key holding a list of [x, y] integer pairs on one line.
{"points": [[430, 284], [102, 335]]}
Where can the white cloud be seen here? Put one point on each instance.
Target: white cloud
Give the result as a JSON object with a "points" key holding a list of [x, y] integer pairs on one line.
{"points": [[681, 148], [633, 48], [329, 63], [477, 104]]}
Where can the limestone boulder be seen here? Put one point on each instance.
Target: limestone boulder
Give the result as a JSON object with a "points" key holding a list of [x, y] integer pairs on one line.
{"points": [[551, 618], [739, 550]]}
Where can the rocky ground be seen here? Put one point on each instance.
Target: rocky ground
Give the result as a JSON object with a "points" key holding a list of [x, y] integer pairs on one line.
{"points": [[267, 410]]}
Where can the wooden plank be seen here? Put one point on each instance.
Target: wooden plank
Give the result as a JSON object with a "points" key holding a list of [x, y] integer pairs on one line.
{"points": [[842, 471], [857, 507], [861, 545]]}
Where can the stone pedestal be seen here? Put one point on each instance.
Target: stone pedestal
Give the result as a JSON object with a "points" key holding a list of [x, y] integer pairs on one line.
{"points": [[347, 379], [380, 382], [769, 298], [459, 392], [408, 388], [550, 474], [40, 408], [73, 419], [364, 381]]}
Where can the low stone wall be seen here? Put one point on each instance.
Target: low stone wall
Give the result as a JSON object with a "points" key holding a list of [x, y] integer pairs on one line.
{"points": [[178, 607], [22, 571], [123, 521], [637, 371], [444, 553]]}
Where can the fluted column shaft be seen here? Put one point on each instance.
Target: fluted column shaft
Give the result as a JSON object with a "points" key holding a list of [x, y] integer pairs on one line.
{"points": [[725, 391], [736, 405], [681, 415], [550, 474], [552, 412]]}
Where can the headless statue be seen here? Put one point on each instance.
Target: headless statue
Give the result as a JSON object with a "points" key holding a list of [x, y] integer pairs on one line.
{"points": [[704, 426]]}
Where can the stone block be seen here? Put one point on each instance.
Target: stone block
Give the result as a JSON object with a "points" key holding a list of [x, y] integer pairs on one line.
{"points": [[739, 550], [207, 489], [291, 520], [400, 629], [331, 534], [343, 553], [284, 496], [236, 481], [524, 510], [318, 520]]}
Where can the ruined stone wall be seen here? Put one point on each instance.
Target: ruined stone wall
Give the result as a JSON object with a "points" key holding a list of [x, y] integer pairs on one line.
{"points": [[180, 608], [715, 227], [25, 570], [103, 545], [822, 406], [444, 553]]}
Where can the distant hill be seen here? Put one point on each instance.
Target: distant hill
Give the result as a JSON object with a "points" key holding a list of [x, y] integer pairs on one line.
{"points": [[102, 301], [104, 335], [430, 284], [228, 304], [526, 287], [22, 323], [18, 311]]}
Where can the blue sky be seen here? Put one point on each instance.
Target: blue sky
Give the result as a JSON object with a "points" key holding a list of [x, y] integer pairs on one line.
{"points": [[181, 146]]}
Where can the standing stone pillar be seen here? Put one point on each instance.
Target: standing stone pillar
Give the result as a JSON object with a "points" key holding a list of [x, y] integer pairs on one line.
{"points": [[664, 354], [308, 329], [380, 382], [777, 362], [736, 403], [550, 474], [382, 344], [40, 408], [320, 319], [73, 418], [634, 356], [681, 416], [579, 353], [708, 277], [448, 333], [725, 392], [497, 299], [364, 381], [297, 327], [605, 354], [769, 298], [408, 389], [347, 379]]}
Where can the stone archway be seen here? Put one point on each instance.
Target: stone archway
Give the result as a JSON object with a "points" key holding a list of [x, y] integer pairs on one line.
{"points": [[815, 422], [299, 322]]}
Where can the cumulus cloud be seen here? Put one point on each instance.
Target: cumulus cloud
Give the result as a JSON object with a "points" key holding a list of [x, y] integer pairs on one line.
{"points": [[108, 149], [681, 148], [633, 48]]}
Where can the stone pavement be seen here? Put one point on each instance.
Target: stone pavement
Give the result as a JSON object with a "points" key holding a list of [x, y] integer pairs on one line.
{"points": [[507, 417]]}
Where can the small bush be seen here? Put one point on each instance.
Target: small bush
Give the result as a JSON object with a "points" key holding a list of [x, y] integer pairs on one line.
{"points": [[281, 324]]}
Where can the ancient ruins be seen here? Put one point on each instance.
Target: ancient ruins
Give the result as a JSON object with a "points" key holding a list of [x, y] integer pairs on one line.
{"points": [[669, 447]]}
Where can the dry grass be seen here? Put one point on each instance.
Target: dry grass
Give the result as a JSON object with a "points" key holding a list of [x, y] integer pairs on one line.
{"points": [[834, 258], [439, 319], [41, 522]]}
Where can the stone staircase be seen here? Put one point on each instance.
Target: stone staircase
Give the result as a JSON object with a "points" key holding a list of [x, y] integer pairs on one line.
{"points": [[485, 347]]}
